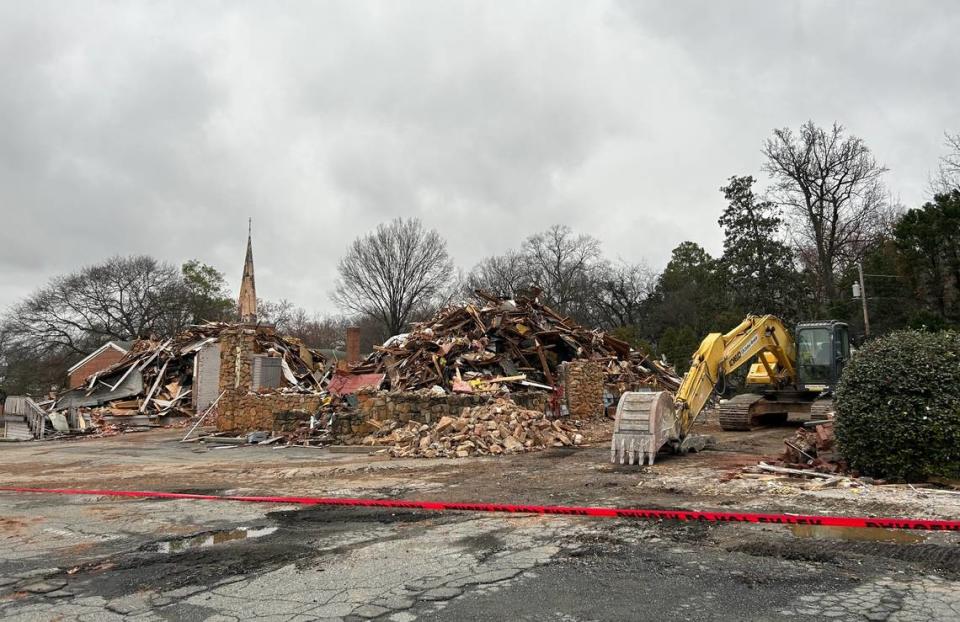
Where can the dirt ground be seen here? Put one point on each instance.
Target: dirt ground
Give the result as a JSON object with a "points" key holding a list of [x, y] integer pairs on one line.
{"points": [[581, 476], [85, 557]]}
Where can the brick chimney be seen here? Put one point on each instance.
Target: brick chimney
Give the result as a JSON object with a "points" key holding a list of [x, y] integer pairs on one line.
{"points": [[353, 345]]}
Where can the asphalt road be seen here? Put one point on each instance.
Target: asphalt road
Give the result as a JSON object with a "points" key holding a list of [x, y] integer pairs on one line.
{"points": [[102, 559], [88, 558]]}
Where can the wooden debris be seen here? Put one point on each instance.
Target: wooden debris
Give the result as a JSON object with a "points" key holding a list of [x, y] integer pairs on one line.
{"points": [[497, 342], [763, 466], [167, 368]]}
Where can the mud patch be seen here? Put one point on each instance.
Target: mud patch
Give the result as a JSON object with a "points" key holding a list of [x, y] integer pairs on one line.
{"points": [[935, 557], [481, 546], [789, 551], [148, 570], [687, 532], [340, 517], [857, 534], [557, 453]]}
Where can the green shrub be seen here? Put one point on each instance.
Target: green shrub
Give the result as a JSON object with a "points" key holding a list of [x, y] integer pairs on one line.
{"points": [[898, 406]]}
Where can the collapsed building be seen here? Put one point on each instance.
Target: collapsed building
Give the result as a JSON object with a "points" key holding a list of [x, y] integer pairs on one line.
{"points": [[183, 375], [470, 381]]}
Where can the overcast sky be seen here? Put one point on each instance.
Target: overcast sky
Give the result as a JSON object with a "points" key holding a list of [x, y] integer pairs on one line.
{"points": [[159, 127]]}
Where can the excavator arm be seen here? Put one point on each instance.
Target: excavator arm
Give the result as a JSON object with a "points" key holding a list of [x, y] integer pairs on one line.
{"points": [[721, 354]]}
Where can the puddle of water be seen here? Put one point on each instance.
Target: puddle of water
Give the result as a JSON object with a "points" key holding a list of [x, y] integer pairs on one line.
{"points": [[858, 534], [205, 540]]}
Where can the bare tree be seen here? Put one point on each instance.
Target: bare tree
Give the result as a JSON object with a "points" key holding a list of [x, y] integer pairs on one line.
{"points": [[623, 288], [948, 173], [121, 298], [507, 275], [293, 321], [279, 313], [392, 272], [832, 186], [563, 264]]}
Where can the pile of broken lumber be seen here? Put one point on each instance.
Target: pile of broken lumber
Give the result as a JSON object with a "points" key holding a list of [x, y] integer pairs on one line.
{"points": [[167, 367], [496, 341], [501, 427]]}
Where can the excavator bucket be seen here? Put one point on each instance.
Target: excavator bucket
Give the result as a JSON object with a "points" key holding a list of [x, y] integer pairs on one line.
{"points": [[645, 422]]}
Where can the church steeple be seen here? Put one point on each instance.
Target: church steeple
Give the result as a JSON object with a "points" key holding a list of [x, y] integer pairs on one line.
{"points": [[247, 304]]}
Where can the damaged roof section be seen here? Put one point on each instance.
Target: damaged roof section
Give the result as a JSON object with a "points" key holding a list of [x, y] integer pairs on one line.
{"points": [[158, 377]]}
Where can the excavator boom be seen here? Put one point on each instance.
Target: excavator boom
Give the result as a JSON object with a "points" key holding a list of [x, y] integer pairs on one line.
{"points": [[721, 354]]}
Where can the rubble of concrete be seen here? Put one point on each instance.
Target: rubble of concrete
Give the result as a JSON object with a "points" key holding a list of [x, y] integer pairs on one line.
{"points": [[498, 428], [496, 342]]}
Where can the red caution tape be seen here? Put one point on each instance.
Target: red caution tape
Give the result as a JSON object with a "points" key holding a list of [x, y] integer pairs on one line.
{"points": [[681, 515]]}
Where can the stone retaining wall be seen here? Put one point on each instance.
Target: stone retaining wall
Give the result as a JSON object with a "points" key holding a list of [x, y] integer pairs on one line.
{"points": [[242, 411]]}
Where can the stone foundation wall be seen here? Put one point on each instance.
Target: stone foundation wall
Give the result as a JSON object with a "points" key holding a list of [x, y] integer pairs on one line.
{"points": [[242, 411], [583, 388]]}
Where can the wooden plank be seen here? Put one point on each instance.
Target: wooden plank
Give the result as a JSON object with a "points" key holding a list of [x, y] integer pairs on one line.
{"points": [[543, 363], [153, 389], [763, 466], [204, 416]]}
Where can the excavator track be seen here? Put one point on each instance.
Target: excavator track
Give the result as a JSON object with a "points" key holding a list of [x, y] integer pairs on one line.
{"points": [[735, 413]]}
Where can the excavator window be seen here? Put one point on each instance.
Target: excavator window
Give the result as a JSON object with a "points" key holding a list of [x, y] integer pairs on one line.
{"points": [[815, 355]]}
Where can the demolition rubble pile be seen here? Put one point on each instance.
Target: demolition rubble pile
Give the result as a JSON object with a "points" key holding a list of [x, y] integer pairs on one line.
{"points": [[809, 455], [813, 449], [500, 427], [166, 369], [497, 342]]}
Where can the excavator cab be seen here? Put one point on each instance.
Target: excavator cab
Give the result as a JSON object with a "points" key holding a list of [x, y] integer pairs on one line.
{"points": [[823, 349]]}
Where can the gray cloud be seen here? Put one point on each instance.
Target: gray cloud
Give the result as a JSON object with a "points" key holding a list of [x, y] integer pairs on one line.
{"points": [[158, 128]]}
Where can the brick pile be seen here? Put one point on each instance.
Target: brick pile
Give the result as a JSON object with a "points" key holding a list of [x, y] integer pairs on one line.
{"points": [[813, 449], [501, 427]]}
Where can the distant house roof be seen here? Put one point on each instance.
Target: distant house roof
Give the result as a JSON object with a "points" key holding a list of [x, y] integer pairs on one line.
{"points": [[121, 346]]}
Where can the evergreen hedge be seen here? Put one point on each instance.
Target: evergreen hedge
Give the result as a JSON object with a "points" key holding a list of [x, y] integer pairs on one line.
{"points": [[898, 406]]}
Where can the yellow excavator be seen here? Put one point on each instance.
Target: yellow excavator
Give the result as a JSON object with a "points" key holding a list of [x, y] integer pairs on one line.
{"points": [[787, 376]]}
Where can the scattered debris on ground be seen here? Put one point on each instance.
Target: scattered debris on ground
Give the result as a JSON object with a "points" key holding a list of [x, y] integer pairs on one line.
{"points": [[478, 346], [818, 479], [809, 455], [501, 427]]}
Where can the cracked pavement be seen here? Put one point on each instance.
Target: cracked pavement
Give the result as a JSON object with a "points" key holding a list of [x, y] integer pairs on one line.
{"points": [[90, 558], [358, 564]]}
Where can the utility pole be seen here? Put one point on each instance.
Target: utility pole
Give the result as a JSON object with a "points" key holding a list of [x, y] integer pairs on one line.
{"points": [[863, 298]]}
